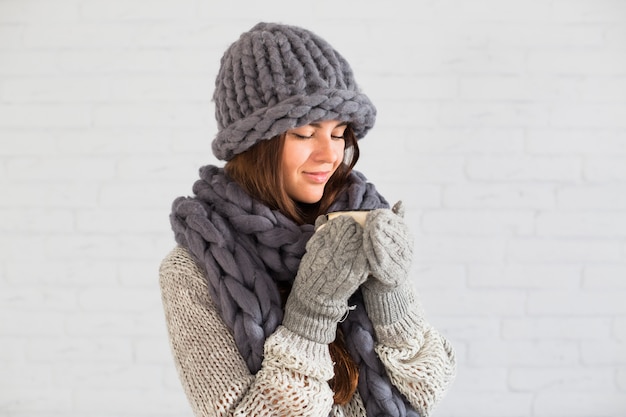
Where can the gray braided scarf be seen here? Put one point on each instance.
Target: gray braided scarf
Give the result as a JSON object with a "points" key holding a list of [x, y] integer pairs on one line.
{"points": [[245, 248]]}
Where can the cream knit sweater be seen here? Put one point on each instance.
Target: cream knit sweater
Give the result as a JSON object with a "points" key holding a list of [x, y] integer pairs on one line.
{"points": [[293, 378]]}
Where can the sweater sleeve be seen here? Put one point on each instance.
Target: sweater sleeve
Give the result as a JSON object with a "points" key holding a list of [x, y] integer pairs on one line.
{"points": [[292, 379], [420, 362]]}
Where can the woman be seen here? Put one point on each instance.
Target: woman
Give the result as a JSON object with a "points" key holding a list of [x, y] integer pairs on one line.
{"points": [[272, 308]]}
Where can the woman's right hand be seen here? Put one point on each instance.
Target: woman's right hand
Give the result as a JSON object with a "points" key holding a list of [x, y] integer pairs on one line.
{"points": [[331, 270]]}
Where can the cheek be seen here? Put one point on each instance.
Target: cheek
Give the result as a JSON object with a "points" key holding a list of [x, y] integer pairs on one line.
{"points": [[293, 156]]}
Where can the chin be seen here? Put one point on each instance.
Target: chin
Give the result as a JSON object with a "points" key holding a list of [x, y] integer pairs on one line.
{"points": [[309, 198], [306, 194]]}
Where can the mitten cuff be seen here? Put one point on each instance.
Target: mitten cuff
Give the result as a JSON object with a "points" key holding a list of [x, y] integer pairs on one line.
{"points": [[395, 314], [310, 325], [387, 307]]}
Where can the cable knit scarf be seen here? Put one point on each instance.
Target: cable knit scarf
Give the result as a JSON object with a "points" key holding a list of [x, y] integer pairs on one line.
{"points": [[245, 248]]}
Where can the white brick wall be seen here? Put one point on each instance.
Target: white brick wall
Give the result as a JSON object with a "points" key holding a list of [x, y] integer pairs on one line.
{"points": [[502, 125]]}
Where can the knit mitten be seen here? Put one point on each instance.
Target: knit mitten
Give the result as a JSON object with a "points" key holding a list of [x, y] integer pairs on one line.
{"points": [[388, 246], [331, 270]]}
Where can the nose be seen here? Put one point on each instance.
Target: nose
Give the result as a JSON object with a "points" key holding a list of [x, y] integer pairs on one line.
{"points": [[326, 149]]}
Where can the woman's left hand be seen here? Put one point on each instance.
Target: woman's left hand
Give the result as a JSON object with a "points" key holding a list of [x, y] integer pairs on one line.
{"points": [[388, 246]]}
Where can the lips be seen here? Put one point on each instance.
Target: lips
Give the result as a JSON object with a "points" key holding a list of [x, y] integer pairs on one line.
{"points": [[319, 177]]}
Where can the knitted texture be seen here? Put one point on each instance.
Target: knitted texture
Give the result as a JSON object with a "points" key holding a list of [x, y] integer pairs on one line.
{"points": [[215, 377], [293, 378], [277, 77], [331, 270], [245, 248], [388, 245]]}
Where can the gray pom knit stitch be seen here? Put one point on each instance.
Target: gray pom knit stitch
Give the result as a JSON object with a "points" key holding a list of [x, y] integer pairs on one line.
{"points": [[278, 77]]}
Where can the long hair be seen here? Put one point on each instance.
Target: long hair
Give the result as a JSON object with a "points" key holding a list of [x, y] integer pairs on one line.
{"points": [[258, 171]]}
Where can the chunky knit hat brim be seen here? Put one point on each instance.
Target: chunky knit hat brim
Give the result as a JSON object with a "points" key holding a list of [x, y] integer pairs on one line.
{"points": [[278, 77]]}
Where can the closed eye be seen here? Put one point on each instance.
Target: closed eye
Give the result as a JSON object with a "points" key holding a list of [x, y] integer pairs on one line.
{"points": [[301, 136]]}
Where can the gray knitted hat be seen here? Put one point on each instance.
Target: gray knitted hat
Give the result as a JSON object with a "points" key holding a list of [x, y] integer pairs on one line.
{"points": [[277, 77]]}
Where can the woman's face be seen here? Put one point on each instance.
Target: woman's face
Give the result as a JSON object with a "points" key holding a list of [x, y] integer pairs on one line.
{"points": [[311, 155]]}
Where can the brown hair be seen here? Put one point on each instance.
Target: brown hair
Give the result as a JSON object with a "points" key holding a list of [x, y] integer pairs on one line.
{"points": [[258, 172]]}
